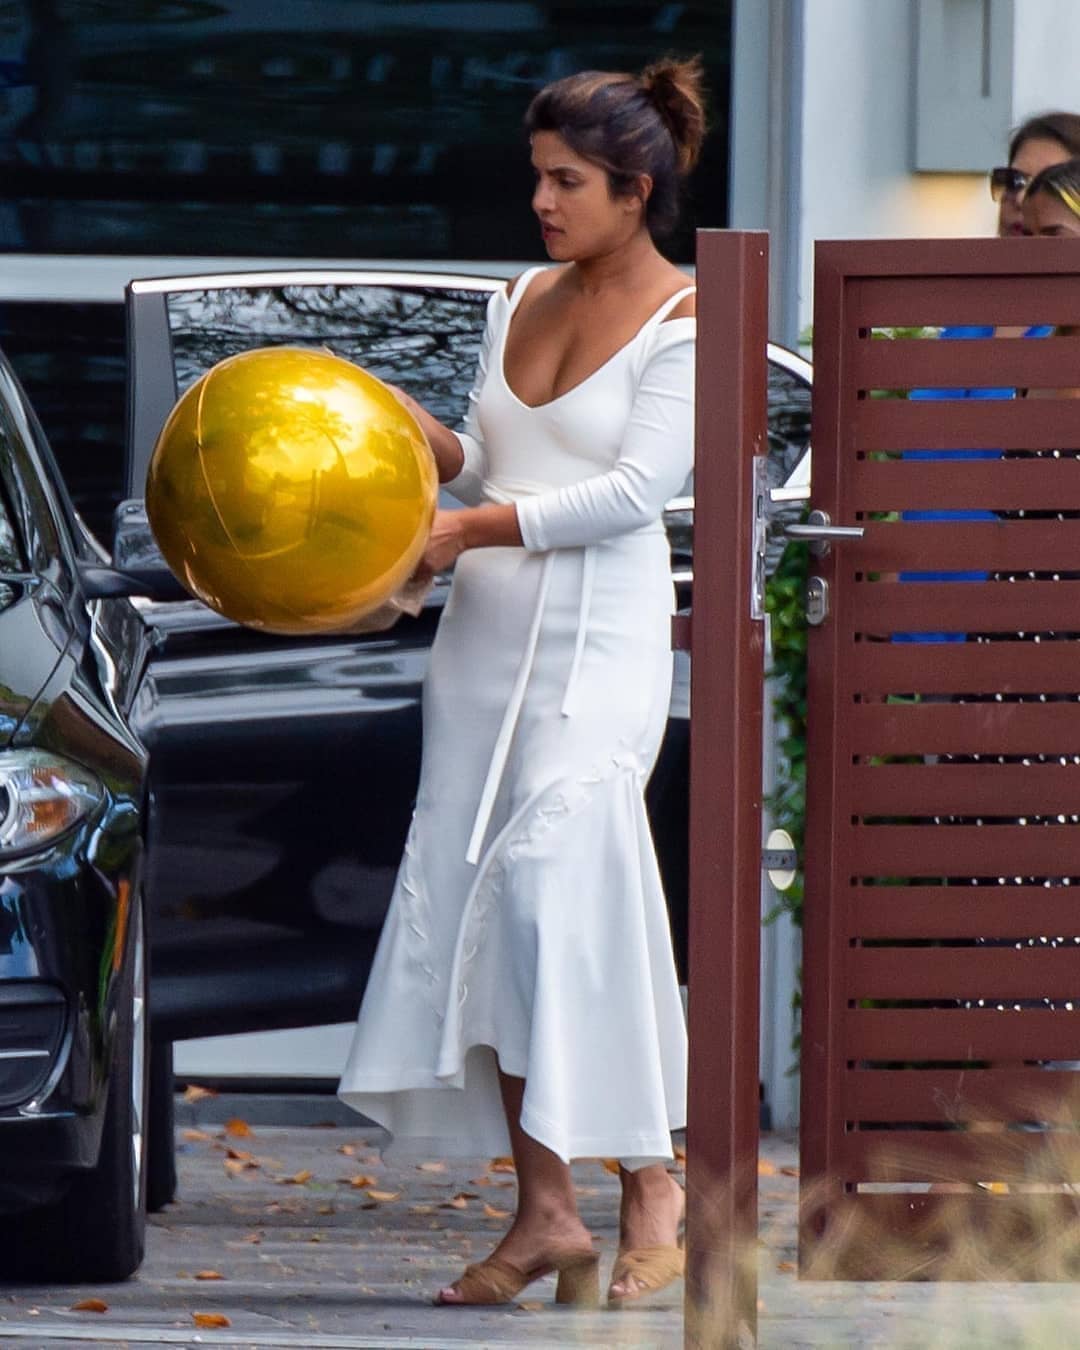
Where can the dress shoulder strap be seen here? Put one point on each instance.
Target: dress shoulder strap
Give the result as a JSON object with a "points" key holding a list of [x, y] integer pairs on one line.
{"points": [[669, 304], [523, 283]]}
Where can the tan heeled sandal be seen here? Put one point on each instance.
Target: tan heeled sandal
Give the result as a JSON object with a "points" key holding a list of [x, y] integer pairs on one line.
{"points": [[496, 1281], [651, 1269]]}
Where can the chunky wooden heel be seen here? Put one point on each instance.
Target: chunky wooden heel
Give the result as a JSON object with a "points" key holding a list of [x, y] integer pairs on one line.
{"points": [[497, 1281], [579, 1283]]}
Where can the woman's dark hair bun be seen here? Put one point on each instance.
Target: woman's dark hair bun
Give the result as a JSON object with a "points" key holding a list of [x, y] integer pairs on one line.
{"points": [[677, 91]]}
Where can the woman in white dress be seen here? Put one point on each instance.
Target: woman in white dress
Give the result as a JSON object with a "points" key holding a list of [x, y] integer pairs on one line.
{"points": [[524, 992]]}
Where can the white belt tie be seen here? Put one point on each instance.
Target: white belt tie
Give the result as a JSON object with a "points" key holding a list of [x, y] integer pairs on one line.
{"points": [[517, 694]]}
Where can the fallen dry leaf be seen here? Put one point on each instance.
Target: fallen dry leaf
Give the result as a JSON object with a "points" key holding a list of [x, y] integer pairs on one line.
{"points": [[611, 1165], [359, 1183], [680, 1153], [492, 1213], [326, 1209], [252, 1237], [431, 1167], [210, 1320], [421, 1209], [501, 1165], [194, 1093], [238, 1129], [297, 1179], [241, 1156], [531, 1305], [458, 1202], [480, 1181], [789, 1171], [788, 1267], [209, 1275], [90, 1305], [348, 1149], [380, 1196], [766, 1168], [197, 1137]]}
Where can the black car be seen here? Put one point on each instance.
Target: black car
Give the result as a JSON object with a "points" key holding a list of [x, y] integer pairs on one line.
{"points": [[270, 779], [73, 963]]}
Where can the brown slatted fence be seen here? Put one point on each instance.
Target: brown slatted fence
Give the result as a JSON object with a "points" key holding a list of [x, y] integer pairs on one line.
{"points": [[941, 1037]]}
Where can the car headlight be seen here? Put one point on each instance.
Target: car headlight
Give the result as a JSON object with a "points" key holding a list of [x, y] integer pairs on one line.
{"points": [[42, 796]]}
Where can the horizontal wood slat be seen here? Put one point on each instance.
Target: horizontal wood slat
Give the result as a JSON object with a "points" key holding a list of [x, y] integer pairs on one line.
{"points": [[962, 1095], [961, 911], [961, 850], [990, 973], [964, 667], [925, 302], [962, 728], [965, 484], [973, 424], [967, 789], [959, 1155], [1001, 545], [1009, 363], [966, 606], [959, 1035]]}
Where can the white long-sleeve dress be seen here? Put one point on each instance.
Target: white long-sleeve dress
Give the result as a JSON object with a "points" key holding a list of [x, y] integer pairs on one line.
{"points": [[528, 926]]}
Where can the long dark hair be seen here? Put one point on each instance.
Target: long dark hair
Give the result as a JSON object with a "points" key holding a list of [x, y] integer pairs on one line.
{"points": [[652, 123], [1063, 127]]}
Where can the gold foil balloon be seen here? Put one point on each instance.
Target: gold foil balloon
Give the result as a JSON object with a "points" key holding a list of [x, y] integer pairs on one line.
{"points": [[291, 491]]}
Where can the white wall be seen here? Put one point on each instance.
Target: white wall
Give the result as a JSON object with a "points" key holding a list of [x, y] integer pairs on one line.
{"points": [[858, 110], [842, 167]]}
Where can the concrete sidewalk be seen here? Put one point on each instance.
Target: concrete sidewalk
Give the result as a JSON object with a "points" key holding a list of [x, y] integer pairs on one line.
{"points": [[300, 1236]]}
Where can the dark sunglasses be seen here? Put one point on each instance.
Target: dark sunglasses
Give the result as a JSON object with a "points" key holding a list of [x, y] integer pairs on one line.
{"points": [[1008, 182]]}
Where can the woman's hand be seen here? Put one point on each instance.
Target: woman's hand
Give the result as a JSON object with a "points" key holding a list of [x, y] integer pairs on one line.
{"points": [[445, 445], [445, 544]]}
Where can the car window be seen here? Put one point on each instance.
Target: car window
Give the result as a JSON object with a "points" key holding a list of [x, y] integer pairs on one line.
{"points": [[10, 554], [789, 419], [424, 339]]}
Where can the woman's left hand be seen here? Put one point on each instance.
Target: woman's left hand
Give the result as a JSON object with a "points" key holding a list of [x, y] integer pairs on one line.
{"points": [[445, 544]]}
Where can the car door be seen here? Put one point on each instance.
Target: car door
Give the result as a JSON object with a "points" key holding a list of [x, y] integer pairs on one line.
{"points": [[283, 770]]}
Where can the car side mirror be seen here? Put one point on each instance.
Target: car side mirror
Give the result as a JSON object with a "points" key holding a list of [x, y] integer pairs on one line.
{"points": [[137, 565]]}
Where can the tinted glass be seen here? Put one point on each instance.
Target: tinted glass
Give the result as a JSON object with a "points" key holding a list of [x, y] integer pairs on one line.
{"points": [[789, 420], [10, 553], [70, 360], [346, 128], [425, 340], [789, 438]]}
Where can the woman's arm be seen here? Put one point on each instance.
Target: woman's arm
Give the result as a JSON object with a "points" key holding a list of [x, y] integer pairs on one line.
{"points": [[459, 455], [452, 532], [445, 445]]}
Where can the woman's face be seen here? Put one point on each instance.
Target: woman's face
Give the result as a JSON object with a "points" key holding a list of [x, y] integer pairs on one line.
{"points": [[1031, 157], [1046, 214], [579, 217]]}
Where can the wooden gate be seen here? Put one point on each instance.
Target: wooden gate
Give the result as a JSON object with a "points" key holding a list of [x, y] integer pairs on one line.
{"points": [[942, 973]]}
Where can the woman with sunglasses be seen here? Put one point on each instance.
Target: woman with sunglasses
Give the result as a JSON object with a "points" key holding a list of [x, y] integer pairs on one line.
{"points": [[1037, 144]]}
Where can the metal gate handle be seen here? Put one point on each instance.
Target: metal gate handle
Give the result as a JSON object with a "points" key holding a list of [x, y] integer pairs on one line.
{"points": [[820, 530]]}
